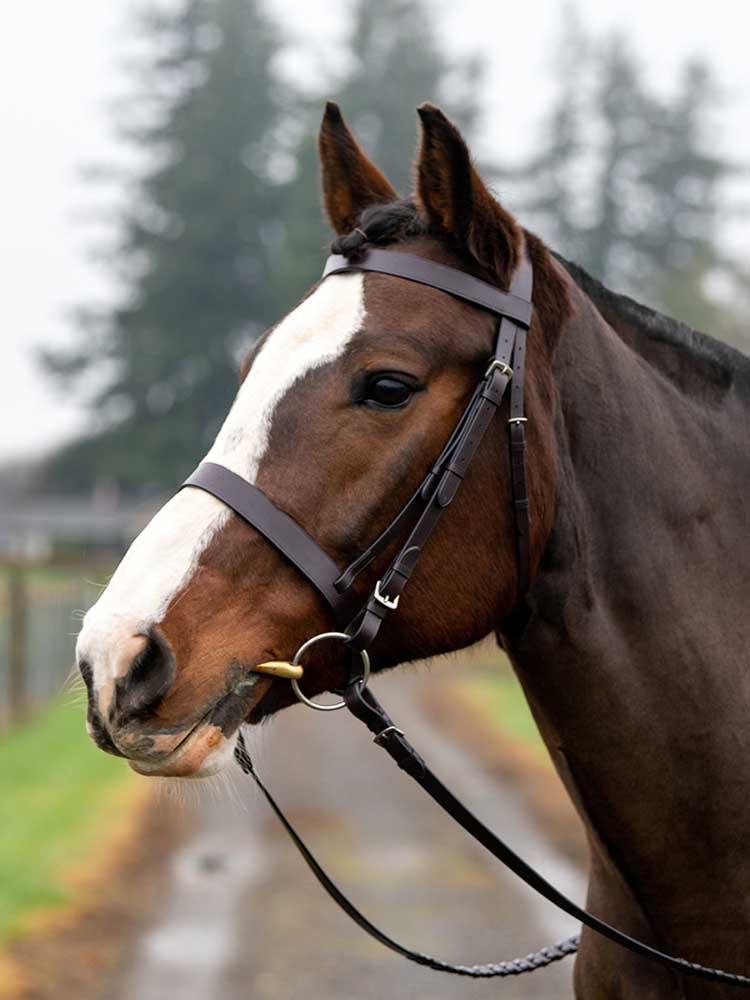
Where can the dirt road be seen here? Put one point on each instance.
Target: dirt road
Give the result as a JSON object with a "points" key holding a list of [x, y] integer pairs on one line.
{"points": [[244, 918]]}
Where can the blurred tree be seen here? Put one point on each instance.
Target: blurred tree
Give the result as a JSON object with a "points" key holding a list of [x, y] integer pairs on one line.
{"points": [[612, 246], [548, 183], [395, 64], [659, 208], [639, 204], [223, 229], [738, 326], [683, 180], [194, 250]]}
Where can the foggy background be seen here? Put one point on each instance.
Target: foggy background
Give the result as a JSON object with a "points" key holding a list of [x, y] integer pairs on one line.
{"points": [[63, 71], [160, 208]]}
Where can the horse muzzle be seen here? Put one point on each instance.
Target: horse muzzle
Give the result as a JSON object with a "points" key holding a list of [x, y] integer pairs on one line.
{"points": [[196, 748]]}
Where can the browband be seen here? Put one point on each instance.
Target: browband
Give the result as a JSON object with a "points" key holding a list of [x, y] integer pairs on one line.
{"points": [[446, 279]]}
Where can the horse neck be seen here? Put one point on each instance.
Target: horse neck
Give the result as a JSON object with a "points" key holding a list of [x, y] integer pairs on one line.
{"points": [[634, 655]]}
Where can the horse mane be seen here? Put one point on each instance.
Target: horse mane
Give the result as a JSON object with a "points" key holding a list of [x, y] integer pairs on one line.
{"points": [[696, 362]]}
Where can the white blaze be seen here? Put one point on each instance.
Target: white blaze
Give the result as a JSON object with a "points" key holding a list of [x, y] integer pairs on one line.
{"points": [[163, 558]]}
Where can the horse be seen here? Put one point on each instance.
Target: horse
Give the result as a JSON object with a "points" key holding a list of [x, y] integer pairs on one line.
{"points": [[631, 637]]}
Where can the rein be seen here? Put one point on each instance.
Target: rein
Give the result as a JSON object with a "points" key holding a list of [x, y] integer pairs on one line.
{"points": [[360, 624]]}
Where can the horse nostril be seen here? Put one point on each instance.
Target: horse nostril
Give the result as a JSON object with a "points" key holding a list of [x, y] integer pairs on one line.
{"points": [[140, 690], [87, 673], [99, 732]]}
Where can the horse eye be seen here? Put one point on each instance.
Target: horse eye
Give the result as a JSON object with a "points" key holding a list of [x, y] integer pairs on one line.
{"points": [[388, 391]]}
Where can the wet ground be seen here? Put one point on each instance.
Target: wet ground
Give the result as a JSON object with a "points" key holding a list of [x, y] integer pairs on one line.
{"points": [[243, 917]]}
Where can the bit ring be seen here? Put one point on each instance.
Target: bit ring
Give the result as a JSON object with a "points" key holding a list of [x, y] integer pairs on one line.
{"points": [[301, 652]]}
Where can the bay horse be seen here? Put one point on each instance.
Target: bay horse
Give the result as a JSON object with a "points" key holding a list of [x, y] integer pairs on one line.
{"points": [[631, 639]]}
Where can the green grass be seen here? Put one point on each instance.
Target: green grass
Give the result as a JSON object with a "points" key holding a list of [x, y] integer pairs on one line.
{"points": [[499, 694], [56, 790]]}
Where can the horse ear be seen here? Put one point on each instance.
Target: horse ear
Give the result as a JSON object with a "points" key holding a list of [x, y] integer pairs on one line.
{"points": [[455, 200], [351, 182]]}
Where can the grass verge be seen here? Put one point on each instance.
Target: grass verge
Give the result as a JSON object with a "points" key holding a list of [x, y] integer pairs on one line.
{"points": [[60, 798], [498, 696]]}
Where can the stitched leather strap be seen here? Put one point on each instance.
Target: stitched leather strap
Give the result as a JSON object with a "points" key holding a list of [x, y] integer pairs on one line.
{"points": [[477, 419], [280, 529], [364, 705], [517, 443], [514, 967], [416, 502], [436, 492], [447, 279], [442, 482], [457, 456], [522, 286]]}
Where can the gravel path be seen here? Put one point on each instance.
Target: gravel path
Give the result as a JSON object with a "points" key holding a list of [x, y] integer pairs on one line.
{"points": [[243, 918]]}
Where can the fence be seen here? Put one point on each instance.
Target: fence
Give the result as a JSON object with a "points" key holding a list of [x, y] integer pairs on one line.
{"points": [[40, 610]]}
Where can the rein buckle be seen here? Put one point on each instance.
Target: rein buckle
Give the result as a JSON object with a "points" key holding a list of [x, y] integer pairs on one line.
{"points": [[378, 740]]}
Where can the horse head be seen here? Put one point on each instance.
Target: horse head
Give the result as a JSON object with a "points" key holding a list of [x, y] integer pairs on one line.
{"points": [[341, 409]]}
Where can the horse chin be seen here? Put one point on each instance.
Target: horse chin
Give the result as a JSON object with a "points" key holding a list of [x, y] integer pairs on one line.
{"points": [[207, 747], [204, 752]]}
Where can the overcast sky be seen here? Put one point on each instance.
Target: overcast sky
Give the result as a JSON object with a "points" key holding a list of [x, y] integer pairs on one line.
{"points": [[58, 70]]}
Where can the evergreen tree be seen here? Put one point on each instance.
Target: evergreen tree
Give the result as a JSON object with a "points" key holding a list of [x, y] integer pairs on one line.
{"points": [[213, 245], [659, 207], [623, 180], [396, 64], [624, 111], [194, 250], [680, 233], [547, 185]]}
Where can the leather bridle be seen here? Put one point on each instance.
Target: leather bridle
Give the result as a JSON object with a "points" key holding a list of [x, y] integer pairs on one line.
{"points": [[360, 623], [440, 486]]}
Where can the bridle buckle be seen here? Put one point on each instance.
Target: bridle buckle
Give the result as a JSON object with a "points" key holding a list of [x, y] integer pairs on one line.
{"points": [[388, 602], [378, 740], [498, 366]]}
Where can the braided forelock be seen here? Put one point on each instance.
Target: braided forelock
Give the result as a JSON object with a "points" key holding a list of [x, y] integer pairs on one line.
{"points": [[381, 225]]}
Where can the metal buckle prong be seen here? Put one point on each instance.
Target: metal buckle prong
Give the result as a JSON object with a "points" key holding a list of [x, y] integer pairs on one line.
{"points": [[385, 732], [388, 602], [498, 366]]}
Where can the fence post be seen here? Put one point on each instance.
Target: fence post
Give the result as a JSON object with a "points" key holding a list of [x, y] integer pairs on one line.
{"points": [[18, 606]]}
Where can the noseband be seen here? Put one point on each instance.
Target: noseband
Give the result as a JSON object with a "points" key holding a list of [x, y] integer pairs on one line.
{"points": [[442, 482], [360, 624]]}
